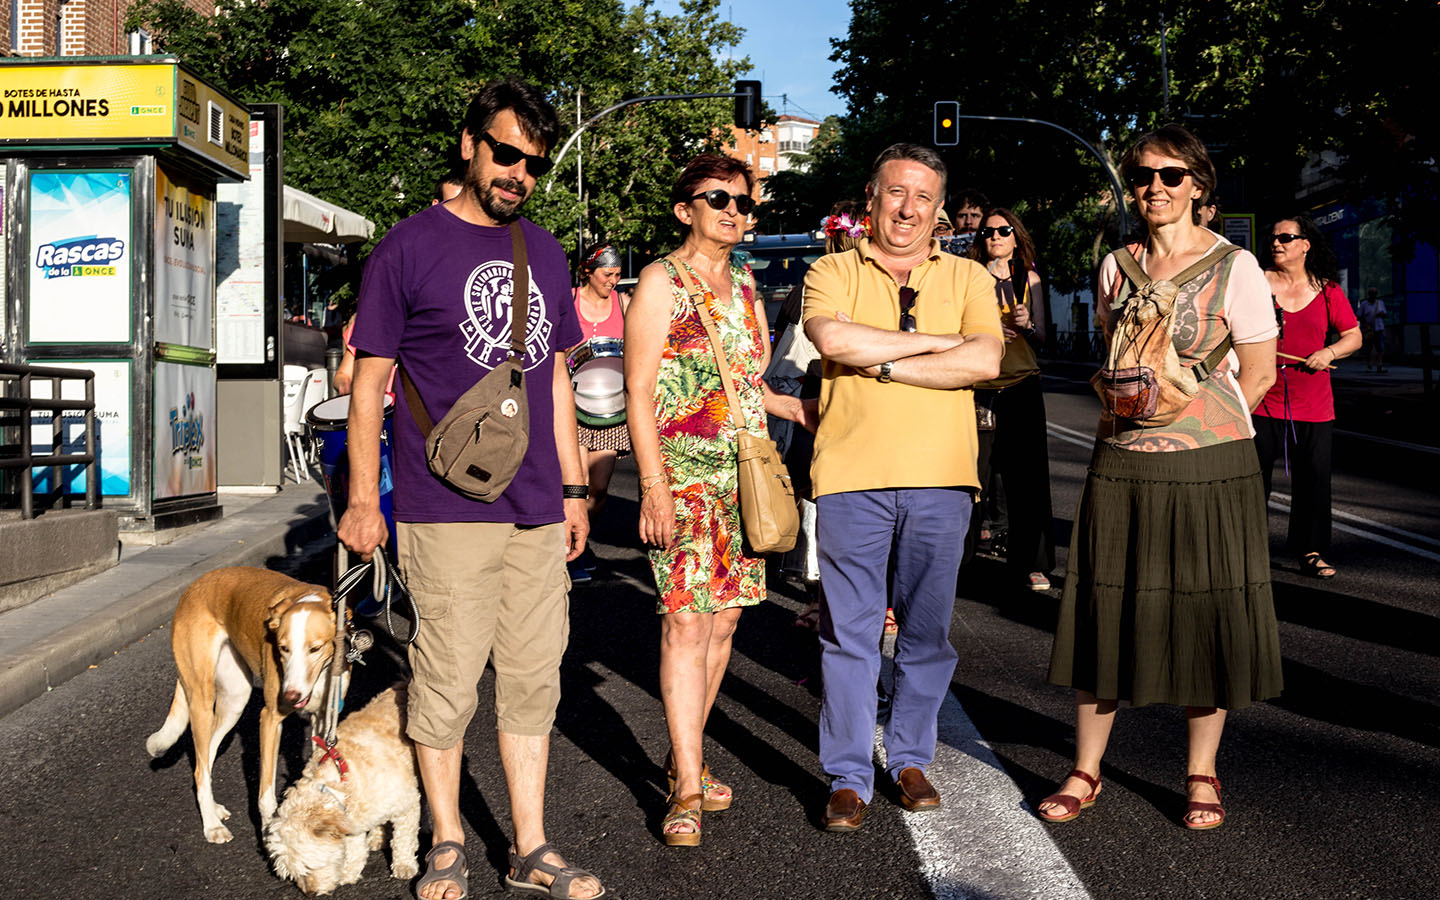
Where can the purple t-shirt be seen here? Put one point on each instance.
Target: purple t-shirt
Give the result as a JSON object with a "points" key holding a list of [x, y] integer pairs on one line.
{"points": [[436, 296]]}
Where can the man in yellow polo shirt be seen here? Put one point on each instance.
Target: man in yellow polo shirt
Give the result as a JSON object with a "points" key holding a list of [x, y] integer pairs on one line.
{"points": [[902, 328]]}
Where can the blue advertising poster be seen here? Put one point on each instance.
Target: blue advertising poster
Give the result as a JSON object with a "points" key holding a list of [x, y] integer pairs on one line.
{"points": [[113, 424], [80, 257]]}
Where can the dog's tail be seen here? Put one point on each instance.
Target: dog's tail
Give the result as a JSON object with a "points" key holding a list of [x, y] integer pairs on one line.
{"points": [[175, 724]]}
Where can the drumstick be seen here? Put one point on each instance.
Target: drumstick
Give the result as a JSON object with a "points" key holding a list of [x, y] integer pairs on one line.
{"points": [[1297, 358]]}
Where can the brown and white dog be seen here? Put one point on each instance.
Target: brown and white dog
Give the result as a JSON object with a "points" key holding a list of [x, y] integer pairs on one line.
{"points": [[331, 819], [230, 625]]}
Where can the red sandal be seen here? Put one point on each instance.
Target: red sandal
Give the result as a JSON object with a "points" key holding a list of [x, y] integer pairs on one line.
{"points": [[1069, 804], [1194, 806]]}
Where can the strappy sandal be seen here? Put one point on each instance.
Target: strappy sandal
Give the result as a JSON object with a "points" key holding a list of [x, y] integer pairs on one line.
{"points": [[1315, 566], [1069, 804], [891, 626], [682, 813], [1194, 806], [562, 877], [710, 789], [458, 871]]}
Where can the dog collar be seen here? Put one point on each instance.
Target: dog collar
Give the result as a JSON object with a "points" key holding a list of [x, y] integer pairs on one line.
{"points": [[332, 752]]}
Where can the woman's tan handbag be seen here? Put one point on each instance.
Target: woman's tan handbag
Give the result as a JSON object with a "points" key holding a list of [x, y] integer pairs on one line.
{"points": [[768, 512]]}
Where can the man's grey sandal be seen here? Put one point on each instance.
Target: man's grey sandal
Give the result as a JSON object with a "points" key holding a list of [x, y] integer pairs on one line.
{"points": [[535, 860], [458, 871]]}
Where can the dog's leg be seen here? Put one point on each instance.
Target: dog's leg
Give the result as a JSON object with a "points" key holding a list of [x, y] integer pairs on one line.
{"points": [[231, 691], [270, 722], [355, 855], [405, 842], [175, 724]]}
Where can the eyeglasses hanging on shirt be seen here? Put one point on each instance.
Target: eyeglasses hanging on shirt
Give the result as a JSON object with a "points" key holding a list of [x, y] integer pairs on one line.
{"points": [[907, 303]]}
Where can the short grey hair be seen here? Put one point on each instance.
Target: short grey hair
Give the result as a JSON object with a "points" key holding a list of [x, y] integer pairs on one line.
{"points": [[914, 153]]}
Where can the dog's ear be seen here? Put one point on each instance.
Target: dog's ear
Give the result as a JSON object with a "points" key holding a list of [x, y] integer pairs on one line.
{"points": [[330, 824]]}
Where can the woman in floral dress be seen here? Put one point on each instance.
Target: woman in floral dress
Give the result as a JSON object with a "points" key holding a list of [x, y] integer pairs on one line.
{"points": [[684, 444]]}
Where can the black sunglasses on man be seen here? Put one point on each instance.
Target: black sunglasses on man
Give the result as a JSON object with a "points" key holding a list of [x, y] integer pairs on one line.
{"points": [[508, 155]]}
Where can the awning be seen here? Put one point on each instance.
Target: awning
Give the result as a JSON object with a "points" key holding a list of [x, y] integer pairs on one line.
{"points": [[309, 219]]}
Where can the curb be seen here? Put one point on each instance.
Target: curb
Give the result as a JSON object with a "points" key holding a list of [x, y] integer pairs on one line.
{"points": [[56, 659]]}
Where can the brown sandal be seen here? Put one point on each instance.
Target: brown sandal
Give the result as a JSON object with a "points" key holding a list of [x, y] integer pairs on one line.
{"points": [[1195, 806], [710, 789], [1069, 804], [681, 812]]}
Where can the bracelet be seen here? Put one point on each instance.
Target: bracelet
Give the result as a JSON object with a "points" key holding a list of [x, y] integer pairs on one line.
{"points": [[574, 491], [657, 477], [645, 489]]}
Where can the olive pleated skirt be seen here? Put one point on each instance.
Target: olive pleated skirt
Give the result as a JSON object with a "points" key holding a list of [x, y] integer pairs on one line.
{"points": [[1167, 591]]}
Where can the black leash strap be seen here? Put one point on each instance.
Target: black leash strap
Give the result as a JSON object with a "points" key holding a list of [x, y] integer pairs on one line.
{"points": [[386, 584]]}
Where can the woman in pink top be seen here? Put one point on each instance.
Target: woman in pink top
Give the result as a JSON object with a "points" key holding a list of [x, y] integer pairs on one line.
{"points": [[1296, 418], [601, 312]]}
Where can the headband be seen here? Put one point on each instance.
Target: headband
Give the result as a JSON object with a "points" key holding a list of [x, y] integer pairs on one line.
{"points": [[604, 256], [844, 225]]}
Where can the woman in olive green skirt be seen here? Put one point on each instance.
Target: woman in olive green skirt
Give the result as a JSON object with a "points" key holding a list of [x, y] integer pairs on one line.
{"points": [[1167, 591]]}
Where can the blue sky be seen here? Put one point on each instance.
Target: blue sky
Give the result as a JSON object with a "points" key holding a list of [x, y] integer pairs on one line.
{"points": [[788, 41]]}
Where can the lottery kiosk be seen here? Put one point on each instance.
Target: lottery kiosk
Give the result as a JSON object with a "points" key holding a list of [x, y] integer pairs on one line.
{"points": [[108, 263]]}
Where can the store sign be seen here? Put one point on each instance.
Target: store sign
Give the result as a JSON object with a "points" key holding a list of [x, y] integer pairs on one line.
{"points": [[184, 430], [122, 102], [80, 257], [113, 423], [184, 264]]}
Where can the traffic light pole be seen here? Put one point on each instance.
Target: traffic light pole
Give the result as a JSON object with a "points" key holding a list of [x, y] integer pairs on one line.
{"points": [[1104, 163]]}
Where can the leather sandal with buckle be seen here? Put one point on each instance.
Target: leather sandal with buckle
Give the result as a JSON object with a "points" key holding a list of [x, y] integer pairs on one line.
{"points": [[561, 877], [1070, 805], [682, 813], [718, 796], [1195, 806]]}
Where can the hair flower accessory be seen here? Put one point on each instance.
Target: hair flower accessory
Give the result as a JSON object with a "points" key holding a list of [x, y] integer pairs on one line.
{"points": [[843, 224]]}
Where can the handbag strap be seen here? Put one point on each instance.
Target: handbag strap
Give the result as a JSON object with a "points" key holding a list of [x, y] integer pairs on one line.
{"points": [[697, 297], [519, 321], [1137, 276]]}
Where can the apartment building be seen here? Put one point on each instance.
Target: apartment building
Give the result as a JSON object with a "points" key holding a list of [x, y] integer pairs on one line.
{"points": [[774, 147], [74, 27]]}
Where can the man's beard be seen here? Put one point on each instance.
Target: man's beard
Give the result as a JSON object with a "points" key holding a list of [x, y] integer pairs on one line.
{"points": [[490, 202]]}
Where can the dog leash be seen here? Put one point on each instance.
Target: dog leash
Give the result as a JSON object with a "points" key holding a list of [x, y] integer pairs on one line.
{"points": [[385, 584]]}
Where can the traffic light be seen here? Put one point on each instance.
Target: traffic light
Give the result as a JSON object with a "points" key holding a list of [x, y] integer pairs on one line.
{"points": [[747, 105], [947, 123]]}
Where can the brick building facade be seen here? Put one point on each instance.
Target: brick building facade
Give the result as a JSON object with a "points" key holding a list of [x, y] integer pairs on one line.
{"points": [[73, 27]]}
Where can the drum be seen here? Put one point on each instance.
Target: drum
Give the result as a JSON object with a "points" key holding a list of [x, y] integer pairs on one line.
{"points": [[597, 373], [327, 420]]}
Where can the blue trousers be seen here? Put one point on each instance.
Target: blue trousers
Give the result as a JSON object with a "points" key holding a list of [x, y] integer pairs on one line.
{"points": [[859, 532]]}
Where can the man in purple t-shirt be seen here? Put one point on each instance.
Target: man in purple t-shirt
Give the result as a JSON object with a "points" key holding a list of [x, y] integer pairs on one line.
{"points": [[489, 578]]}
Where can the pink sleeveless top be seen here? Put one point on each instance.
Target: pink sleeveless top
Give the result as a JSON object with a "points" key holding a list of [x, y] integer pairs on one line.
{"points": [[612, 327]]}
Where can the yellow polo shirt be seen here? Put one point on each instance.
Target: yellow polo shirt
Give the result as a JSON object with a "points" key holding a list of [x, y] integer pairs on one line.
{"points": [[876, 435]]}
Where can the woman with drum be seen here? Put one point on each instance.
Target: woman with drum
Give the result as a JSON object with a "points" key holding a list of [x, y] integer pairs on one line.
{"points": [[685, 449], [599, 397]]}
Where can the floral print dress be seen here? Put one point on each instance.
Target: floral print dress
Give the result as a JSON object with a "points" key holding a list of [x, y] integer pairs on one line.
{"points": [[705, 568]]}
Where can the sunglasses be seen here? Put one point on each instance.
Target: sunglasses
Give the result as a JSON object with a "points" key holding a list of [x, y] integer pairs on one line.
{"points": [[720, 198], [990, 231], [1170, 176], [1286, 237], [506, 155], [907, 303]]}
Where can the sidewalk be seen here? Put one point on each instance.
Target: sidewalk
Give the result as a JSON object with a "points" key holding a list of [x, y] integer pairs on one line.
{"points": [[58, 636]]}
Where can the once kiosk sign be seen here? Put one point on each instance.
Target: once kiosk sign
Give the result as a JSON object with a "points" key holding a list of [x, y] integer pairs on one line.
{"points": [[119, 100]]}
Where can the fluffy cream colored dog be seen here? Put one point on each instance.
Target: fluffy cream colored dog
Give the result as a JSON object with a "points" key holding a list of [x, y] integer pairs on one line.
{"points": [[327, 824]]}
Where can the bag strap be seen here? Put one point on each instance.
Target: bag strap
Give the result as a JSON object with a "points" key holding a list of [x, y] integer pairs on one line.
{"points": [[1131, 267], [697, 297], [519, 321]]}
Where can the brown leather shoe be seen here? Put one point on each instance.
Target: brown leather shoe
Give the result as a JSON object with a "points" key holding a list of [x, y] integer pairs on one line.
{"points": [[844, 812], [917, 794]]}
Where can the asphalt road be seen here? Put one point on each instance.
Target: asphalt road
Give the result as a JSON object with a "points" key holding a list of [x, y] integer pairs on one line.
{"points": [[1328, 788]]}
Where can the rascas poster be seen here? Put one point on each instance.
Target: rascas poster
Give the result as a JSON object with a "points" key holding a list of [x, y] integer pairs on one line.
{"points": [[80, 257], [184, 269], [184, 430]]}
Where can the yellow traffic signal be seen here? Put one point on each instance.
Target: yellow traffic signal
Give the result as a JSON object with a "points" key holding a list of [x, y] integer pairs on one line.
{"points": [[947, 123]]}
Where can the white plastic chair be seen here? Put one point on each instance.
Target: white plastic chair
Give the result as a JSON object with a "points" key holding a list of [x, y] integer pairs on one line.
{"points": [[317, 390], [296, 378]]}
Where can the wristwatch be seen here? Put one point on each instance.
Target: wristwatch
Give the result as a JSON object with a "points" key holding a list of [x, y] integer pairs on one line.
{"points": [[885, 370]]}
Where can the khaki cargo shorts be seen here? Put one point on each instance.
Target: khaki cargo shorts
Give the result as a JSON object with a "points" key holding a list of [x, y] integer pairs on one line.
{"points": [[486, 591]]}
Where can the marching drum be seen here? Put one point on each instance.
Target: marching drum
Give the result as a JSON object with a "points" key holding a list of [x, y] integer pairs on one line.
{"points": [[597, 373], [327, 421]]}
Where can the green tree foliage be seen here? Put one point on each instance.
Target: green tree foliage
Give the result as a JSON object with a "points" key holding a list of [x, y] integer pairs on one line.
{"points": [[374, 91], [1267, 84]]}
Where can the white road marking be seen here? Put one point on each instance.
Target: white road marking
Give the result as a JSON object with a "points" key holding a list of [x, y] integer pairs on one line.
{"points": [[1369, 523], [984, 841]]}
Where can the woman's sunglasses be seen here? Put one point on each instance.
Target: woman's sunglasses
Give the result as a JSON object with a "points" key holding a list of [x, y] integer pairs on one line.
{"points": [[1286, 237], [990, 231], [720, 198], [1170, 176], [507, 155]]}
